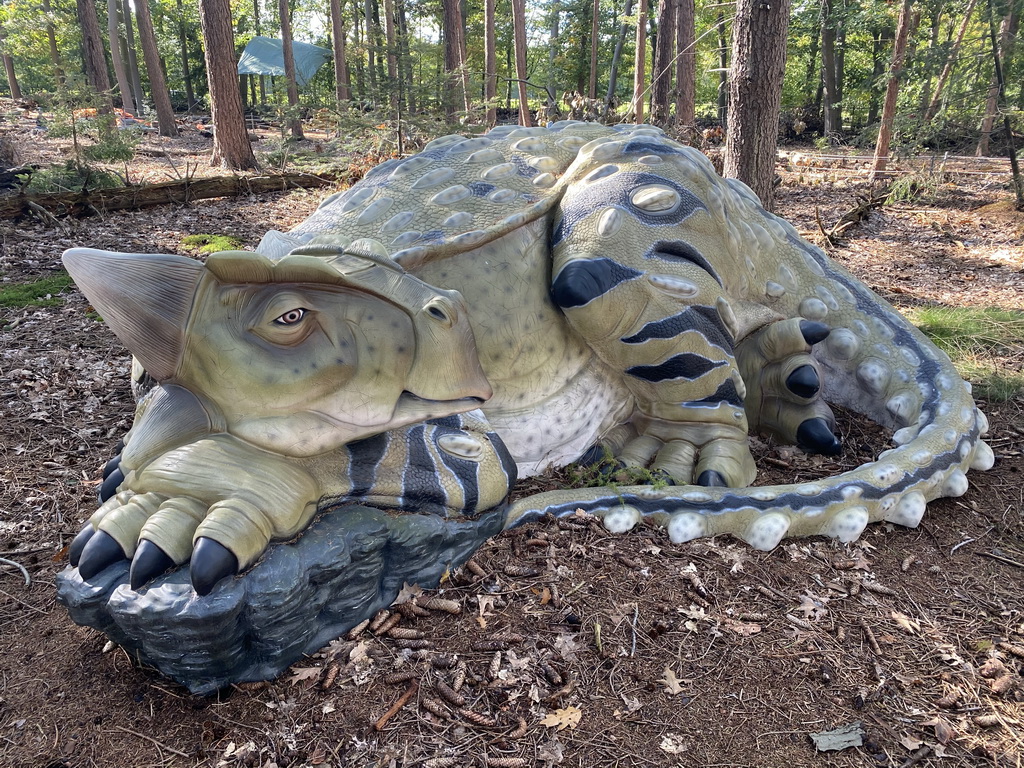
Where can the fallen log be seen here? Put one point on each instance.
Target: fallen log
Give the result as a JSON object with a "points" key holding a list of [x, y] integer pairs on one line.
{"points": [[86, 202]]}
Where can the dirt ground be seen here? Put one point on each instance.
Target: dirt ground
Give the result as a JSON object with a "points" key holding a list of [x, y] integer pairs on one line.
{"points": [[560, 644]]}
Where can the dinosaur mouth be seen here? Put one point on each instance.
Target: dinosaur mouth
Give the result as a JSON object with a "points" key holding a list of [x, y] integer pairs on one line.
{"points": [[412, 407]]}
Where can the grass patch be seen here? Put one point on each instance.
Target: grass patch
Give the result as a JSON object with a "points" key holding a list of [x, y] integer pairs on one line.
{"points": [[211, 243], [40, 293], [72, 176], [986, 345]]}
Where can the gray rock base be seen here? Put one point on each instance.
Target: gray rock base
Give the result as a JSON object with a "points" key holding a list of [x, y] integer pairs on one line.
{"points": [[351, 562]]}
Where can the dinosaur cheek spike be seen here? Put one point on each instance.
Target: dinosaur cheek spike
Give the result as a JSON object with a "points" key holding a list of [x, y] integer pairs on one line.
{"points": [[766, 532], [847, 525], [687, 526], [621, 519]]}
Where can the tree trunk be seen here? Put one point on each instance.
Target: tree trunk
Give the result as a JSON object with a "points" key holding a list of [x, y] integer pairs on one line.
{"points": [[595, 36], [294, 122], [519, 38], [454, 64], [357, 41], [51, 39], [371, 38], [259, 31], [640, 63], [812, 77], [231, 147], [553, 55], [882, 36], [132, 58], [830, 88], [92, 53], [1001, 53], [186, 67], [154, 68], [892, 90], [395, 85], [755, 92], [686, 66], [723, 72], [664, 53], [405, 59], [490, 65], [342, 94], [947, 69], [1007, 32], [113, 37], [613, 74], [12, 77]]}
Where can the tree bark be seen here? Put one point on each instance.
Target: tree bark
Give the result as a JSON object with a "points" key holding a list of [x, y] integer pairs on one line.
{"points": [[132, 58], [231, 147], [892, 90], [723, 72], [154, 68], [295, 122], [686, 66], [553, 54], [519, 38], [640, 64], [830, 107], [454, 64], [947, 69], [186, 67], [1007, 32], [613, 73], [662, 66], [342, 94], [595, 35], [12, 77], [51, 39], [120, 73], [92, 53], [755, 92], [490, 65]]}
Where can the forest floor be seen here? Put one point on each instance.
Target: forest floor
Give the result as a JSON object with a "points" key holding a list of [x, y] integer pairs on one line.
{"points": [[562, 644]]}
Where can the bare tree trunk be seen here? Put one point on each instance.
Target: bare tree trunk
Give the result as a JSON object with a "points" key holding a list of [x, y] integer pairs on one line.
{"points": [[157, 83], [664, 53], [519, 38], [341, 90], [295, 122], [553, 54], [830, 93], [113, 36], [1005, 46], [231, 147], [1000, 54], [395, 85], [755, 92], [259, 31], [595, 35], [613, 74], [640, 63], [453, 62], [92, 52], [723, 71], [12, 77], [892, 90], [357, 39], [186, 68], [686, 66], [405, 68], [132, 58], [882, 35], [490, 65], [947, 69], [372, 46], [51, 39]]}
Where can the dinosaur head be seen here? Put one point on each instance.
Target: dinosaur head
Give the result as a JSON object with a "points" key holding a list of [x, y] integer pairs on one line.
{"points": [[298, 355]]}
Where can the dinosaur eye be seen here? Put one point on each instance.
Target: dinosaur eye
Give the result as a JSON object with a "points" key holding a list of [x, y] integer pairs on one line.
{"points": [[291, 317], [443, 310]]}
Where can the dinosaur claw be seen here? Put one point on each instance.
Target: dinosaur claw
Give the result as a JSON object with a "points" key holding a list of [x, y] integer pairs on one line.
{"points": [[149, 562], [100, 551], [804, 382], [110, 466], [78, 544], [661, 476], [211, 562], [711, 479], [813, 331], [816, 435], [109, 486]]}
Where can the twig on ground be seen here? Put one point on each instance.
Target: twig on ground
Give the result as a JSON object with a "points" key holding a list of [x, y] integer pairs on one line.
{"points": [[20, 567], [402, 701], [160, 744], [1002, 559]]}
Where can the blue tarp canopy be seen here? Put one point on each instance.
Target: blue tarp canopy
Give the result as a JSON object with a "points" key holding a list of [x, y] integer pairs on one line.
{"points": [[264, 56]]}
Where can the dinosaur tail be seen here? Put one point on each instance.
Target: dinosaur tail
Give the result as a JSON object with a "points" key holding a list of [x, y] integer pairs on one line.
{"points": [[874, 362]]}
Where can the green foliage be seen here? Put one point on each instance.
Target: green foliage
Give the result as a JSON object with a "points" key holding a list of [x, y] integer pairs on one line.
{"points": [[202, 243], [40, 293], [113, 145], [608, 472], [985, 344], [72, 176]]}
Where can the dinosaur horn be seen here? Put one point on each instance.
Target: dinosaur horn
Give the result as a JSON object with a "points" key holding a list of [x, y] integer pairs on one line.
{"points": [[145, 299]]}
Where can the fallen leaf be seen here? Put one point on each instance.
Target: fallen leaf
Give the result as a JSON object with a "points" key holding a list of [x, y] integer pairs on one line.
{"points": [[560, 719], [566, 647], [407, 593], [742, 628], [911, 743], [907, 624], [300, 674], [672, 743], [844, 737], [550, 752], [672, 683]]}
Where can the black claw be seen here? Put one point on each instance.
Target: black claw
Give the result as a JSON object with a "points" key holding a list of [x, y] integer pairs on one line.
{"points": [[149, 562], [661, 476], [815, 435], [109, 486], [804, 381], [99, 552], [110, 466], [78, 544], [711, 479], [595, 454], [814, 331], [211, 562]]}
